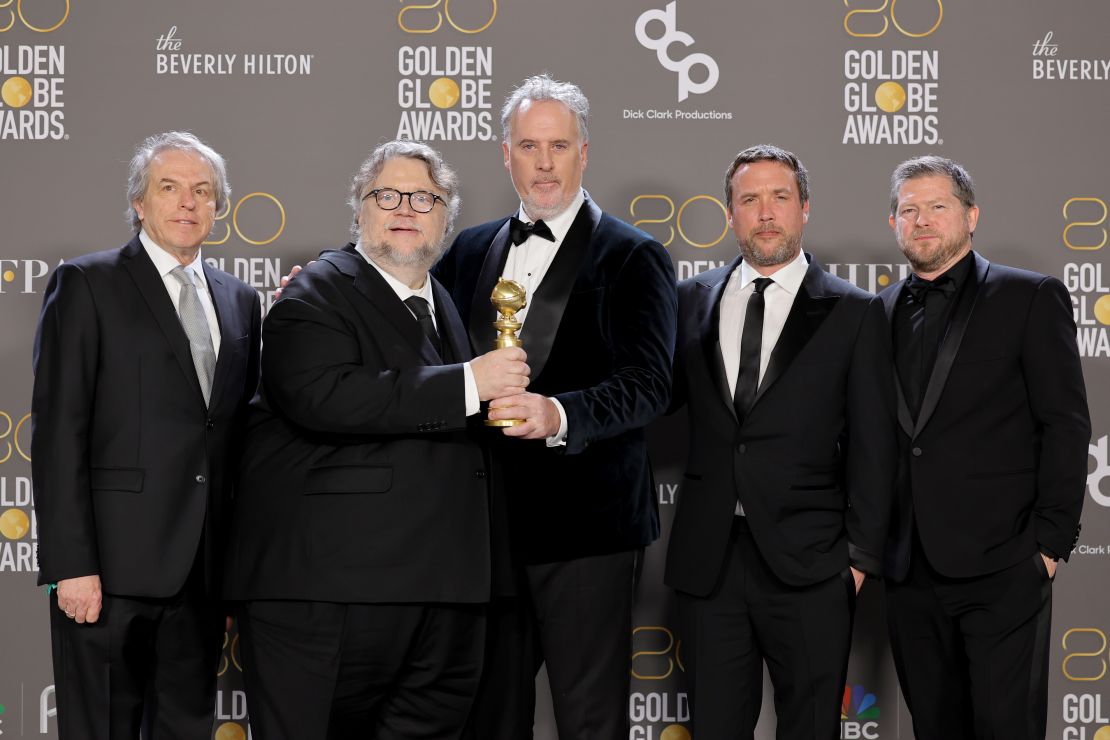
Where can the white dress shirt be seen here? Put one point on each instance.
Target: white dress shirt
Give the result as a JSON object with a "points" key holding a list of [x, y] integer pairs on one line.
{"points": [[528, 262], [425, 291], [778, 297], [164, 263]]}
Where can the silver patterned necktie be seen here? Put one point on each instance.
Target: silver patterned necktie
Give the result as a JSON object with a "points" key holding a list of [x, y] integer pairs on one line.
{"points": [[195, 323]]}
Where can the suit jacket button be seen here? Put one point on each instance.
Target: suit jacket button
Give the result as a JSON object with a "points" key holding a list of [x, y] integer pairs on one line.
{"points": [[741, 448], [480, 474], [209, 424], [200, 479], [917, 452]]}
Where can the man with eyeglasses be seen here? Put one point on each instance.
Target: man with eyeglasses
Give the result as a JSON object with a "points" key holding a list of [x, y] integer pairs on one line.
{"points": [[361, 551]]}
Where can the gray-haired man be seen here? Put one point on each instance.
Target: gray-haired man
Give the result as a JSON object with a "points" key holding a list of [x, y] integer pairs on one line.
{"points": [[362, 529], [145, 359]]}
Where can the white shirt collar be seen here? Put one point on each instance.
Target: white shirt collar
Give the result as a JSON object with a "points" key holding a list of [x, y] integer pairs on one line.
{"points": [[403, 291], [560, 224], [164, 262], [788, 277]]}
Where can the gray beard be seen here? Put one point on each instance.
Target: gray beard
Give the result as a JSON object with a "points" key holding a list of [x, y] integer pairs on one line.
{"points": [[424, 258]]}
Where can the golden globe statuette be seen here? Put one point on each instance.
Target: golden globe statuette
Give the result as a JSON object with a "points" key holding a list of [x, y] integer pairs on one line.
{"points": [[508, 297]]}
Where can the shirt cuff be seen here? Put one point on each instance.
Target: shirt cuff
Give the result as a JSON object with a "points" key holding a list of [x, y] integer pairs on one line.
{"points": [[559, 439], [471, 391]]}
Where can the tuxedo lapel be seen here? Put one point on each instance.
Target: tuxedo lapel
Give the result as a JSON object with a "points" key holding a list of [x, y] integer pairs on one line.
{"points": [[153, 290], [482, 314], [373, 287], [708, 323], [546, 307], [809, 310], [953, 337], [890, 300]]}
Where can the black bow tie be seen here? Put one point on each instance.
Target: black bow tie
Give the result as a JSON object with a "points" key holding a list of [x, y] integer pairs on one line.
{"points": [[917, 288], [520, 231]]}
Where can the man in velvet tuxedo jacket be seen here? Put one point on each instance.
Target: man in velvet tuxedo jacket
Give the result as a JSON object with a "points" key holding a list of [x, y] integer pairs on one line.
{"points": [[599, 332], [361, 547], [145, 359], [993, 433], [785, 371]]}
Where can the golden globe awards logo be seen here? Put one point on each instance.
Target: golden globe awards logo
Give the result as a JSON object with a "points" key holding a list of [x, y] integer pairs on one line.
{"points": [[444, 92], [655, 713], [32, 76], [256, 219], [891, 95], [1085, 235], [18, 526]]}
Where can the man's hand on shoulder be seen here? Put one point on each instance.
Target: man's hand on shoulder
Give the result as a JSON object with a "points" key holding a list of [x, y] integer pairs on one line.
{"points": [[286, 280], [541, 417], [80, 598]]}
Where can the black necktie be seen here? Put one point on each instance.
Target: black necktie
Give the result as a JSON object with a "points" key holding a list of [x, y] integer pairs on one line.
{"points": [[423, 313], [751, 340], [520, 231]]}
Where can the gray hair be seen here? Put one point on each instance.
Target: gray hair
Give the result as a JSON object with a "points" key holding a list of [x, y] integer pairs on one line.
{"points": [[445, 178], [138, 174], [543, 87], [930, 164], [769, 153]]}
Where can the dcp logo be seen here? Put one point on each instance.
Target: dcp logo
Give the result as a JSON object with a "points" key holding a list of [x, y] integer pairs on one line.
{"points": [[1102, 469], [662, 44]]}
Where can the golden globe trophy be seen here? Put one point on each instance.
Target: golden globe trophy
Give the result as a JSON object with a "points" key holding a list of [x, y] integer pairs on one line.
{"points": [[508, 297]]}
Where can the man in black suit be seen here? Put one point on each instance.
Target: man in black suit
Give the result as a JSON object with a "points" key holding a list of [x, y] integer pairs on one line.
{"points": [[599, 330], [361, 547], [785, 370], [993, 462], [145, 359]]}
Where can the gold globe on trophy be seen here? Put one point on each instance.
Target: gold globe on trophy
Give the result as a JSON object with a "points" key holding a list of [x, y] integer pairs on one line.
{"points": [[508, 297]]}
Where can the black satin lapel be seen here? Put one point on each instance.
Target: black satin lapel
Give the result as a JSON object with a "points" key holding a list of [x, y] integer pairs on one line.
{"points": [[153, 290], [456, 343], [709, 308], [372, 286], [482, 314], [546, 307], [890, 301], [806, 315], [905, 418], [229, 330], [950, 345]]}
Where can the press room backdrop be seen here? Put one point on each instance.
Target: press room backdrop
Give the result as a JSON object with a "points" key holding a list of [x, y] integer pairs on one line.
{"points": [[295, 94]]}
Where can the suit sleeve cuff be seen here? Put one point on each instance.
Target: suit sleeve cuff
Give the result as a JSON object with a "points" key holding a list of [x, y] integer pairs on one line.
{"points": [[559, 439], [473, 405], [864, 561]]}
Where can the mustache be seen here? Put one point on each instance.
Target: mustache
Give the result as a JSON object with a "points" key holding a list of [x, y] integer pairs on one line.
{"points": [[765, 227], [923, 232]]}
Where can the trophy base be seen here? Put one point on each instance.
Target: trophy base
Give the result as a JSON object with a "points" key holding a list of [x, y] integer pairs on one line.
{"points": [[503, 422]]}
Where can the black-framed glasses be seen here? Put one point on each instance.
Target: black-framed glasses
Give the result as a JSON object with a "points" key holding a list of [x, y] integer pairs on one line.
{"points": [[389, 199]]}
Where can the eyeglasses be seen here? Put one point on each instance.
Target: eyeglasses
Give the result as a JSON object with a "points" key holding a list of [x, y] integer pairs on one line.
{"points": [[389, 199]]}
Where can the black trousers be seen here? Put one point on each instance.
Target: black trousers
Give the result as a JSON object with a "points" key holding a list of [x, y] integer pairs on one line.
{"points": [[575, 616], [317, 670], [802, 633], [145, 663], [972, 653]]}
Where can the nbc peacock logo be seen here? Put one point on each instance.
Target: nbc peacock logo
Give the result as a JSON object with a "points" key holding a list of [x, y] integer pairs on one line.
{"points": [[859, 714]]}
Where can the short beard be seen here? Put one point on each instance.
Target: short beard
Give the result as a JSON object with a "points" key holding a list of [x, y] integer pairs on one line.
{"points": [[930, 261], [785, 252], [424, 257]]}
